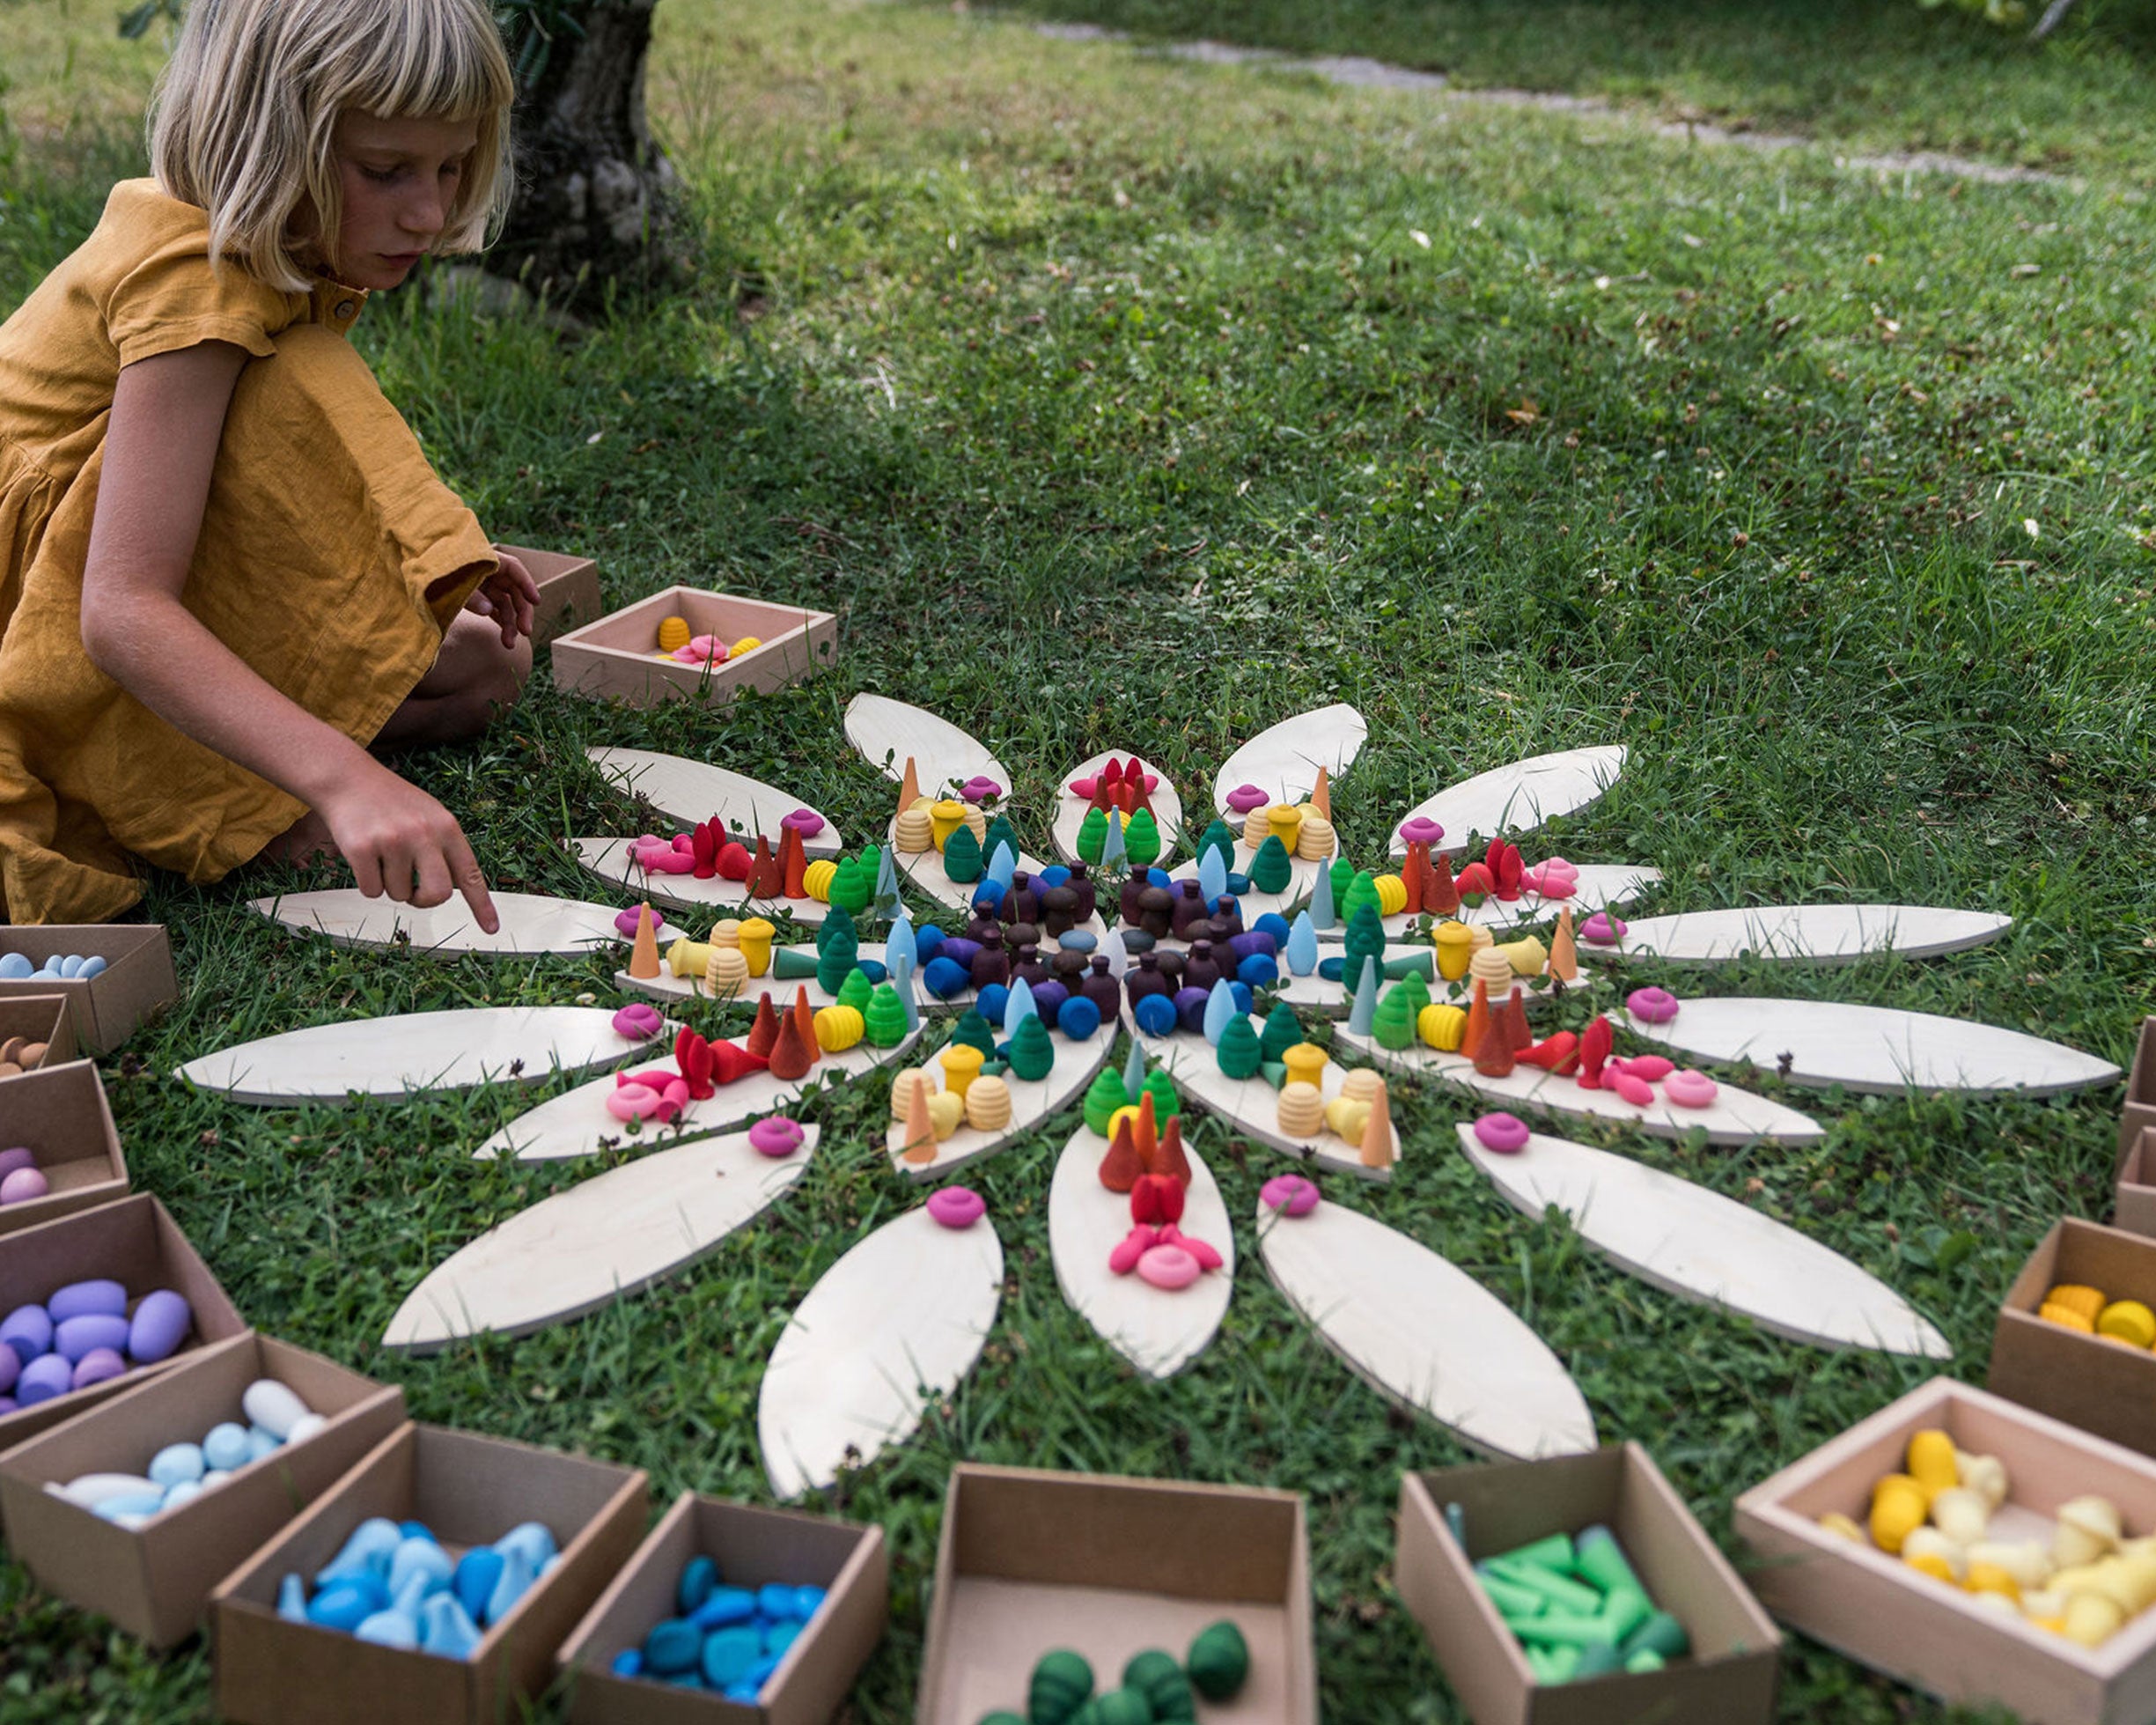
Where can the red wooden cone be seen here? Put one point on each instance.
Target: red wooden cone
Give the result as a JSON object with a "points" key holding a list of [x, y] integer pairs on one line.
{"points": [[790, 1057], [1169, 1157], [763, 1034], [1121, 1168], [1516, 1032], [793, 863], [1440, 895], [1147, 1137], [766, 878], [803, 1016]]}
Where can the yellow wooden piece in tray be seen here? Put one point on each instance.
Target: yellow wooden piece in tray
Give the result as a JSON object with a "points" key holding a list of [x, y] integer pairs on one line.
{"points": [[2089, 1301], [838, 1028], [672, 633], [2128, 1321], [1930, 1462], [1441, 1027], [2071, 1316]]}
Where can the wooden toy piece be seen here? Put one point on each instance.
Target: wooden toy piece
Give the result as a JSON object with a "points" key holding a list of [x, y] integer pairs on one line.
{"points": [[1597, 884], [531, 923], [793, 865], [1158, 1332], [1284, 760], [416, 1052], [1119, 1167], [1322, 793], [908, 786], [643, 958], [1478, 1021], [1253, 1107], [1517, 1036], [1876, 1048], [1563, 951], [920, 1143], [1170, 1157], [687, 793], [1165, 805], [763, 1034], [608, 1238], [1032, 1102], [1518, 797], [896, 1322], [1805, 934], [1378, 1143], [887, 733], [1423, 1333], [1697, 1244], [612, 860], [794, 1053]]}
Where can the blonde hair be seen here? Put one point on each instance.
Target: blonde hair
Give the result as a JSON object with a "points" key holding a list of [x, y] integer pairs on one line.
{"points": [[244, 118]]}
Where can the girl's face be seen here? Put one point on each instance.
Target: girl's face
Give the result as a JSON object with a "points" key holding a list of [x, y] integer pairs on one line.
{"points": [[398, 179]]}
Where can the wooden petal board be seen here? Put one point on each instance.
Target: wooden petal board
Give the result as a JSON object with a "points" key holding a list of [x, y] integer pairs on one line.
{"points": [[885, 732], [574, 1123], [1699, 1245], [1302, 877], [532, 923], [1518, 798], [1878, 1049], [899, 1318], [709, 900], [1805, 933], [1157, 1330], [667, 987], [1285, 758], [414, 1051], [1252, 1106], [1600, 884], [1424, 1332], [613, 1235], [689, 792], [1735, 1117], [1070, 807], [1031, 1103]]}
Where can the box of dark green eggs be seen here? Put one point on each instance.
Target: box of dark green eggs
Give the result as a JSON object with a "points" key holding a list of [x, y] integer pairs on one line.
{"points": [[1728, 1677]]}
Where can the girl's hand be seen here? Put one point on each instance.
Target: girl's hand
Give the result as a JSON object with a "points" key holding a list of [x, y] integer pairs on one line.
{"points": [[400, 841], [510, 594]]}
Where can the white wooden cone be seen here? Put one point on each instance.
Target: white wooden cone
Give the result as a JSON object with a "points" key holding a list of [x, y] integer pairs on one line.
{"points": [[886, 734], [1156, 1331], [690, 792], [1252, 1106], [1877, 1048], [610, 1237], [531, 923], [1071, 808], [1735, 1116], [1284, 759], [414, 1051], [703, 902], [1699, 1245], [1424, 1333], [1031, 1103], [900, 1318], [1803, 933], [1517, 798]]}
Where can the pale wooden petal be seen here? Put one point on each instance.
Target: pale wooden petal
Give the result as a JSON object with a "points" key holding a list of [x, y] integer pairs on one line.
{"points": [[690, 792], [1284, 759], [531, 923], [888, 733], [1803, 933], [1518, 797]]}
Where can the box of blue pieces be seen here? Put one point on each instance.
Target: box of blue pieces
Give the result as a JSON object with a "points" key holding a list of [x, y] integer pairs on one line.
{"points": [[730, 1613]]}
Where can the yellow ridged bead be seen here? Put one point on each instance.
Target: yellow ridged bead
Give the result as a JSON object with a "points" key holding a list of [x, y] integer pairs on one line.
{"points": [[1441, 1027], [1391, 894], [839, 1029], [818, 876], [672, 633]]}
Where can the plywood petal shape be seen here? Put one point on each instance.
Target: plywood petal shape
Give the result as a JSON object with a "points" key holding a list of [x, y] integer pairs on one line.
{"points": [[1803, 933], [1071, 808], [887, 733], [531, 923], [1518, 797], [689, 792], [1284, 759]]}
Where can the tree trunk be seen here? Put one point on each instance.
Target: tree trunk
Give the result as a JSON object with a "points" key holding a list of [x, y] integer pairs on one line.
{"points": [[593, 200]]}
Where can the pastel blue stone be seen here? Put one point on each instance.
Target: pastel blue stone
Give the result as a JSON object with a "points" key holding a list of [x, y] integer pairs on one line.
{"points": [[1258, 972], [723, 1606], [675, 1645], [993, 1003], [227, 1448], [416, 1530], [728, 1654], [342, 1607], [178, 1462], [1239, 883], [809, 1601], [389, 1629], [93, 966], [775, 1601], [366, 1553], [780, 1636], [71, 966], [534, 1539], [419, 1558], [944, 977], [515, 1580], [476, 1573], [871, 969], [1155, 1014], [1078, 1019], [629, 1663], [445, 1628], [292, 1599], [94, 1299], [1078, 941], [15, 968], [134, 1503], [699, 1576], [184, 1492], [260, 1443]]}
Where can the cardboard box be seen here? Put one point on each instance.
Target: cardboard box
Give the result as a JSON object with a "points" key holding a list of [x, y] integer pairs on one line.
{"points": [[155, 1581], [41, 1018], [137, 983], [616, 658], [750, 1547], [1730, 1678], [1879, 1611], [567, 590], [1032, 1560], [2097, 1384], [131, 1241], [2139, 1111], [59, 1114], [469, 1491], [2134, 1199]]}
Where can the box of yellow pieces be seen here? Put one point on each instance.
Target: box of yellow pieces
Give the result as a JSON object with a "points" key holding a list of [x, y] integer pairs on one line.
{"points": [[2029, 1489], [2074, 1333], [760, 645]]}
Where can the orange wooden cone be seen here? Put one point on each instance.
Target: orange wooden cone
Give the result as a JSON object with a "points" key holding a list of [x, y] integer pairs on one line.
{"points": [[1169, 1157], [803, 1017], [1478, 1021], [1322, 795], [790, 1057], [1120, 1169], [1377, 1146], [644, 957], [1147, 1137], [920, 1130], [1412, 873], [1517, 1036], [793, 863], [908, 788], [763, 1034], [1564, 955]]}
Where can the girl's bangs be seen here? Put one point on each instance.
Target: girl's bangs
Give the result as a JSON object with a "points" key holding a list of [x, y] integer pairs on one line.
{"points": [[430, 60]]}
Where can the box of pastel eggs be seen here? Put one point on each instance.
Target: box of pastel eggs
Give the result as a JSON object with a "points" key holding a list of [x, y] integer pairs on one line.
{"points": [[139, 1507], [59, 1150], [405, 1533], [2076, 1337], [113, 975], [687, 644], [35, 1030]]}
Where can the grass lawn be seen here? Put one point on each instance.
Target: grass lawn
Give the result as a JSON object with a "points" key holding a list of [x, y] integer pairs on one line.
{"points": [[1122, 401]]}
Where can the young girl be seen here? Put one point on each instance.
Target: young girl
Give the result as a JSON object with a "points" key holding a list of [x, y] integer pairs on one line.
{"points": [[225, 566]]}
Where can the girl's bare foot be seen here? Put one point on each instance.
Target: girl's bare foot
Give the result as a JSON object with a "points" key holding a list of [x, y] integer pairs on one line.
{"points": [[306, 840]]}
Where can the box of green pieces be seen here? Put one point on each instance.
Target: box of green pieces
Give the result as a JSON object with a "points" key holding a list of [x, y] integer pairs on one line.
{"points": [[1513, 1609]]}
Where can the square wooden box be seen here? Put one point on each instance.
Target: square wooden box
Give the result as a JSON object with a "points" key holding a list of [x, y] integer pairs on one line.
{"points": [[752, 1547], [41, 1018], [59, 1114], [617, 658], [2100, 1386], [2135, 1197], [1881, 1613], [1730, 1678], [2140, 1107], [469, 1491], [567, 590], [155, 1581], [137, 983], [1032, 1560]]}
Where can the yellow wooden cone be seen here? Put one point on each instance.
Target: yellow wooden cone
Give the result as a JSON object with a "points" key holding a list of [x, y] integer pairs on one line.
{"points": [[1377, 1131], [644, 957]]}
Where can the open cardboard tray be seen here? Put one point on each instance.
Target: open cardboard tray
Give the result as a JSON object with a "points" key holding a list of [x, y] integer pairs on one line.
{"points": [[2134, 1199], [2102, 1386], [1032, 1560], [135, 1242], [752, 1547], [154, 1580], [137, 980], [1729, 1679], [617, 658], [1881, 1613], [42, 1018], [469, 1490], [2140, 1107], [59, 1114], [567, 590]]}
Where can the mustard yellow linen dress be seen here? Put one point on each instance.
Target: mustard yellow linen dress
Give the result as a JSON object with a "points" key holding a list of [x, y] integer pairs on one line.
{"points": [[331, 558]]}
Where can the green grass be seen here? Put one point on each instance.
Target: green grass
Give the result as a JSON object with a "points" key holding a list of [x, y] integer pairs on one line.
{"points": [[1117, 401]]}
